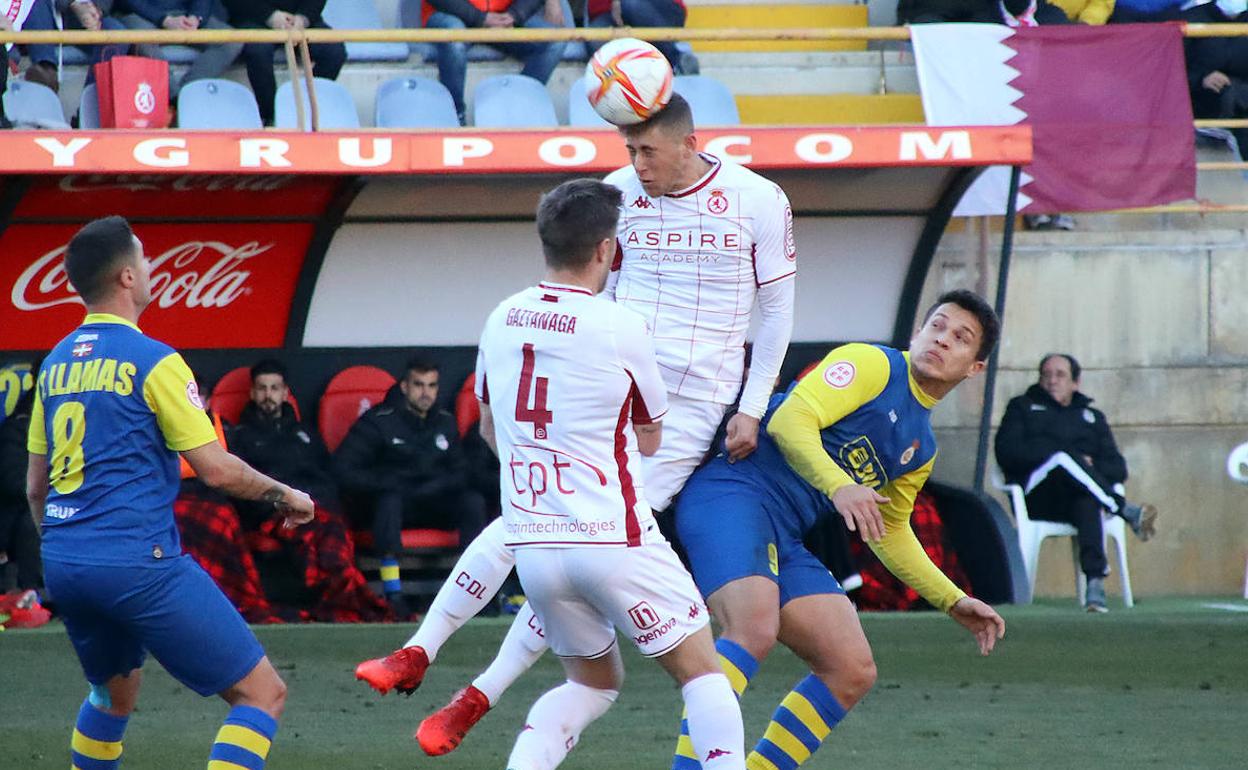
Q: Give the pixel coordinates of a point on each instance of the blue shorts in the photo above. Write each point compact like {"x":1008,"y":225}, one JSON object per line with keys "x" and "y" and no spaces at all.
{"x":116,"y":615}
{"x":732,"y":526}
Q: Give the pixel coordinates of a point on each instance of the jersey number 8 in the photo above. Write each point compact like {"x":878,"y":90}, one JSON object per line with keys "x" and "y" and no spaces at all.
{"x":69,"y":428}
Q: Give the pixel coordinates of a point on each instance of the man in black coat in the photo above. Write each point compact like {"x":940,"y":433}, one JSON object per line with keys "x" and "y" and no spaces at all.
{"x":1061,"y":450}
{"x":327,"y":58}
{"x":19,"y":539}
{"x":403,"y":461}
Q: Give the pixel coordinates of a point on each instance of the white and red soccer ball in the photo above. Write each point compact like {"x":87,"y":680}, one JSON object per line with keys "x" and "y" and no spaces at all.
{"x":627,"y":81}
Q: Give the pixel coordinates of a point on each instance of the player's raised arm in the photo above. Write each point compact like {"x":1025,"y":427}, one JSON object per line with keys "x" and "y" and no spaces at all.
{"x":775,"y":266}
{"x":649,"y":397}
{"x":847,"y":378}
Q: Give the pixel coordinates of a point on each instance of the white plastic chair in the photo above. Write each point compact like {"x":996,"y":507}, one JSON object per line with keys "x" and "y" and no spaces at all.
{"x":1237,"y":469}
{"x":1032,"y":532}
{"x":214,"y":103}
{"x":33,"y":105}
{"x":335,"y":107}
{"x":414,"y":102}
{"x":89,"y":107}
{"x":581,"y":113}
{"x":512,"y":101}
{"x":362,"y":14}
{"x":711,"y":101}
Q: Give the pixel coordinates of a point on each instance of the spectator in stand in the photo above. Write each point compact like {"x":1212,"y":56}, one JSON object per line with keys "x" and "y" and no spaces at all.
{"x":327,"y":58}
{"x":1093,"y":12}
{"x":540,"y":59}
{"x":644,"y":13}
{"x":1062,"y":452}
{"x":19,"y":539}
{"x":1217,"y":67}
{"x":1013,"y":13}
{"x":1135,"y":11}
{"x":404,"y":461}
{"x":270,"y":438}
{"x":75,"y":14}
{"x":213,"y":60}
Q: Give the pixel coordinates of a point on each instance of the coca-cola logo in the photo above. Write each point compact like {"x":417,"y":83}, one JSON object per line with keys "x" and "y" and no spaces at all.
{"x":177,"y":277}
{"x":158,"y":182}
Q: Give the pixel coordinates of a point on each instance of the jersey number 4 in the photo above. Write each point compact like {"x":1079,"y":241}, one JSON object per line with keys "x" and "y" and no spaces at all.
{"x":539,"y":415}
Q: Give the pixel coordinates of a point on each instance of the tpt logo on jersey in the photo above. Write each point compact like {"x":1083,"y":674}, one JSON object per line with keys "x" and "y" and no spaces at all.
{"x":859,"y":459}
{"x":717,"y":203}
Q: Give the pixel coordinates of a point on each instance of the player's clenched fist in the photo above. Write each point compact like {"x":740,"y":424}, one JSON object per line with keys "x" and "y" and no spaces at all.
{"x":297,"y":506}
{"x":860,"y":507}
{"x":742,"y":436}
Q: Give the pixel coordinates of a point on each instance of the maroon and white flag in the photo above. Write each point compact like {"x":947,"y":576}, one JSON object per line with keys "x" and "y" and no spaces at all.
{"x":1108,"y":106}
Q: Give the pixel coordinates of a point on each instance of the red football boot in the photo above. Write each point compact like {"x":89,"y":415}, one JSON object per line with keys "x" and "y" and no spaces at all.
{"x":443,"y":730}
{"x":401,"y":670}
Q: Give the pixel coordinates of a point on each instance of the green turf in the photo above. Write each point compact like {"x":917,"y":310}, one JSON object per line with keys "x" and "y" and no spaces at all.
{"x":1164,"y":685}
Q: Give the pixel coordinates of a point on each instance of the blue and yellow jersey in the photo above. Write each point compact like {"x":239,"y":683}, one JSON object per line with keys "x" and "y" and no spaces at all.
{"x":112,"y":409}
{"x":859,"y":417}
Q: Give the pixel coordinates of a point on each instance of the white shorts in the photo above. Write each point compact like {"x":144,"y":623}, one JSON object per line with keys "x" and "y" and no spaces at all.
{"x":688,"y":430}
{"x":581,"y":595}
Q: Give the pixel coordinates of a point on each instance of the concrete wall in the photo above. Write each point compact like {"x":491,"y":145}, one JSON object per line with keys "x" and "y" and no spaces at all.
{"x":1160,"y":323}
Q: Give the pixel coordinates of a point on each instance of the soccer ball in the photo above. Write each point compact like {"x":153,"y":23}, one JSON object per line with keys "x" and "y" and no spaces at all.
{"x":627,"y":81}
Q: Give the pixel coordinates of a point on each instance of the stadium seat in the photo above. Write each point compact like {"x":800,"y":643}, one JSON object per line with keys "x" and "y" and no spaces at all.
{"x":1237,"y":469}
{"x":217,"y":104}
{"x":414,"y":102}
{"x":233,"y":391}
{"x":362,"y":14}
{"x":1032,"y":532}
{"x":512,"y":101}
{"x":350,"y":393}
{"x":89,"y":108}
{"x":30,"y":105}
{"x":335,"y":107}
{"x":580,"y":112}
{"x":711,"y":101}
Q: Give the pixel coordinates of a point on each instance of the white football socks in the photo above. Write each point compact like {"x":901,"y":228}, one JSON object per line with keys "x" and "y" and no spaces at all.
{"x":555,"y":723}
{"x":714,"y":722}
{"x":521,"y":648}
{"x":474,"y":581}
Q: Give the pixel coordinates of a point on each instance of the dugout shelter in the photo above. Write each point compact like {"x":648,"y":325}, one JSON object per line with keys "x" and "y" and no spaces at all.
{"x":329,"y":250}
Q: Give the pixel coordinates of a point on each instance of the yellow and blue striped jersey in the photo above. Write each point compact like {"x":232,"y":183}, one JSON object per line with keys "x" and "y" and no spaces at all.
{"x":112,"y":409}
{"x":859,"y":417}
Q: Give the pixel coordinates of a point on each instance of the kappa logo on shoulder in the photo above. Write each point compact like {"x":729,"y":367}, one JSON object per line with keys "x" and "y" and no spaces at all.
{"x":642,"y":202}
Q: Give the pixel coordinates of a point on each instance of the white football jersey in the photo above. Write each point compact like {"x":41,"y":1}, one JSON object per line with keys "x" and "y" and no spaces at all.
{"x":566,"y":375}
{"x":691,"y":263}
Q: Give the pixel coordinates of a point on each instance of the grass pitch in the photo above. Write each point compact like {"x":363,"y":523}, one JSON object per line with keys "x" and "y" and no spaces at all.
{"x":1164,"y":685}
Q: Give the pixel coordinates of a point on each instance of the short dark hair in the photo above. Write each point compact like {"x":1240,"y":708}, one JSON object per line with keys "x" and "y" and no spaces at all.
{"x":989,"y":323}
{"x":95,"y":253}
{"x":676,"y":117}
{"x":419,"y":364}
{"x":1075,"y":368}
{"x":575,"y":217}
{"x":269,"y":366}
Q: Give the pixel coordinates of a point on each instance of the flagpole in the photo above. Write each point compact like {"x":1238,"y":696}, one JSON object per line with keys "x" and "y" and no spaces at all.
{"x":990,"y":377}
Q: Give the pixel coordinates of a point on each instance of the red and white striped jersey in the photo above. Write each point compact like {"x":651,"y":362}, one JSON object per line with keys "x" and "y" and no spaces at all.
{"x":691,"y":263}
{"x":566,"y":376}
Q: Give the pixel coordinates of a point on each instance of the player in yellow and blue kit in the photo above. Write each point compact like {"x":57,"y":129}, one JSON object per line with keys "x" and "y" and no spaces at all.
{"x":112,"y":411}
{"x":854,"y":435}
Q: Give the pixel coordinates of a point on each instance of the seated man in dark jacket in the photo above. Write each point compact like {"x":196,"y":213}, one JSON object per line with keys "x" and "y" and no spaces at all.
{"x":404,"y":462}
{"x":19,"y":540}
{"x":327,"y":58}
{"x":1062,"y":452}
{"x":270,"y":436}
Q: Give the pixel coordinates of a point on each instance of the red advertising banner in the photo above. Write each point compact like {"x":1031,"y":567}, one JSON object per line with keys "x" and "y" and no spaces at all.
{"x":184,"y":196}
{"x":213,"y":285}
{"x":467,"y":151}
